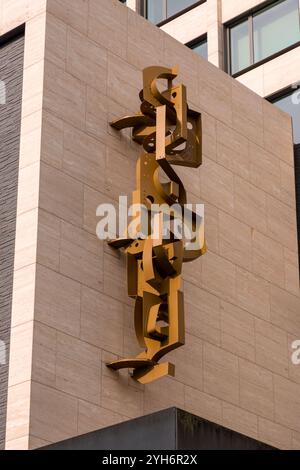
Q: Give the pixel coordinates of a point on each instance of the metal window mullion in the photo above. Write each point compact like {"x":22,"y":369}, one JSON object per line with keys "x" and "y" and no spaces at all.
{"x":142,"y":8}
{"x":251,"y":39}
{"x":229,"y":51}
{"x":165,"y":9}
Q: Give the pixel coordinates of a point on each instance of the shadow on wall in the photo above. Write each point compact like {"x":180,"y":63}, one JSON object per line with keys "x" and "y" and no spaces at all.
{"x":11,"y":79}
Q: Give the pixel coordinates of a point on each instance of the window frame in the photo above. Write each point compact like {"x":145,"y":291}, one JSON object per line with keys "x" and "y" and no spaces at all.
{"x":197,"y":40}
{"x":144,"y":10}
{"x":243,"y":18}
{"x":283,"y":93}
{"x":297,"y":175}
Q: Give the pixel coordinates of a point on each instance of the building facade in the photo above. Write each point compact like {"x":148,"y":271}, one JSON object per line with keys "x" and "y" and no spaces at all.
{"x":255,"y":41}
{"x":68,"y":312}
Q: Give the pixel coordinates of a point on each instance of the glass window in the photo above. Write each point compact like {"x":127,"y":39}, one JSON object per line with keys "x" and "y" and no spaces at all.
{"x":290,"y":103}
{"x":264,"y":33}
{"x":276,"y":28}
{"x":156,"y":11}
{"x":200,"y":48}
{"x":160,"y":10}
{"x":240,"y":47}
{"x":175,"y":6}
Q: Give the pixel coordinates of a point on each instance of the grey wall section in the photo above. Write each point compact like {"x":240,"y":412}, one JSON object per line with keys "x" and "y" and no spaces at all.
{"x":297,"y":173}
{"x":170,"y":429}
{"x":11,"y":74}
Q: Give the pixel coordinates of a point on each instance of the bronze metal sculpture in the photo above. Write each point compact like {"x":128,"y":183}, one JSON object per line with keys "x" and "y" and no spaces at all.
{"x":170,"y":134}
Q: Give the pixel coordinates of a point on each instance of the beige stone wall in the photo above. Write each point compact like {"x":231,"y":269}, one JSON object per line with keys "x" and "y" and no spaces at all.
{"x":188,"y":26}
{"x":71,"y":312}
{"x":13,"y":13}
{"x":231,"y":8}
{"x":275,"y":75}
{"x":203,"y":19}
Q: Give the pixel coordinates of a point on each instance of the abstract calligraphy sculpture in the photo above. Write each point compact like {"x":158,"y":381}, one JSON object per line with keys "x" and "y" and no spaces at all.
{"x":170,"y":134}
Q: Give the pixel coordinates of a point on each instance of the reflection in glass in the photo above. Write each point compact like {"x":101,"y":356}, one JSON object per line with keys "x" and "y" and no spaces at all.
{"x":160,"y":10}
{"x":290,"y":103}
{"x":240,"y":47}
{"x":156,"y":11}
{"x":276,"y":28}
{"x":201,"y":48}
{"x":174,"y":6}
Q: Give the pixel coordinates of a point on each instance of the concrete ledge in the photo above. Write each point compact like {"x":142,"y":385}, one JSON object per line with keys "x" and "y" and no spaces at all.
{"x":171,"y":429}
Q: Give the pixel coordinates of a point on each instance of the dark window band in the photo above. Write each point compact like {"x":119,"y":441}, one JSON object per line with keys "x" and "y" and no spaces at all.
{"x":11,"y":77}
{"x":288,"y":100}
